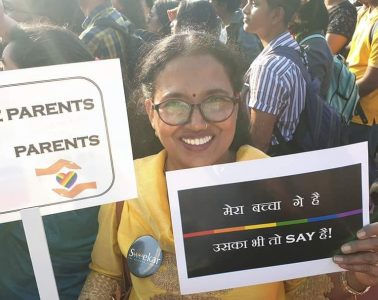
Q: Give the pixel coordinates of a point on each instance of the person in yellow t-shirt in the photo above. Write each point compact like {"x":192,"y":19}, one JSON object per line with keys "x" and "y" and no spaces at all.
{"x":363,"y":62}
{"x":191,"y":85}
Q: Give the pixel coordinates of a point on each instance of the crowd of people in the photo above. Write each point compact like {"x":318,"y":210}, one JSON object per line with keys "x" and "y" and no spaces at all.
{"x":205,"y":83}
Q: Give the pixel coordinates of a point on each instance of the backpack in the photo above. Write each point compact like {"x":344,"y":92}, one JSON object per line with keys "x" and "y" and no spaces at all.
{"x":134,"y":44}
{"x":342,"y":93}
{"x":320,"y":125}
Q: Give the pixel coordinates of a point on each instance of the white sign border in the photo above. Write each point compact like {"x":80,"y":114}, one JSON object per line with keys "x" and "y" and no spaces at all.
{"x":265,"y":168}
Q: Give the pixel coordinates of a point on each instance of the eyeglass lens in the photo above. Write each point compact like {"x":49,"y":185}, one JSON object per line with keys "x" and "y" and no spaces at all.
{"x":213,"y":109}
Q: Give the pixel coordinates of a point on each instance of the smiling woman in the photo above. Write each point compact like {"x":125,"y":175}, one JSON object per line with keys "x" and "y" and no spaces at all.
{"x":190,"y":85}
{"x":209,"y":110}
{"x":194,"y":119}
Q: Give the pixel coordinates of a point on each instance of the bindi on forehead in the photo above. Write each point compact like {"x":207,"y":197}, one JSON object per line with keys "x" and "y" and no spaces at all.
{"x":194,"y":95}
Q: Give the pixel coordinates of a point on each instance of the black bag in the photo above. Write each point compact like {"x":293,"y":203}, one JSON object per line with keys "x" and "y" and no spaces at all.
{"x":320,"y":126}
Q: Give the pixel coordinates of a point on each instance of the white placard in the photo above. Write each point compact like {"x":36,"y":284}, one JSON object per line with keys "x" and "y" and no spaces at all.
{"x":334,"y":168}
{"x":65,"y":138}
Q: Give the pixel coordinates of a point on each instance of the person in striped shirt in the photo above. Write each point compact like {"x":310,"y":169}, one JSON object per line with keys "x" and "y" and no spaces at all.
{"x":277,"y":87}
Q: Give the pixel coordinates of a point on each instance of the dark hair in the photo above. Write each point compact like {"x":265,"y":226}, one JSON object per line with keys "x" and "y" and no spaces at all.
{"x":62,"y":13}
{"x":191,"y":44}
{"x":197,"y":16}
{"x":289,"y":6}
{"x":311,"y":16}
{"x":133,"y":11}
{"x":161,"y":7}
{"x":231,"y":5}
{"x":45,"y":45}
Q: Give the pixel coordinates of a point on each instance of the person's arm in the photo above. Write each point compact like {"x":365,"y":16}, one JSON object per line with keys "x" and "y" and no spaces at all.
{"x":339,"y":292}
{"x":369,"y":82}
{"x":267,"y":93}
{"x":100,"y":286}
{"x":6,"y":23}
{"x":262,"y":126}
{"x":341,"y":26}
{"x":336,"y":42}
{"x":105,"y":279}
{"x":360,"y":259}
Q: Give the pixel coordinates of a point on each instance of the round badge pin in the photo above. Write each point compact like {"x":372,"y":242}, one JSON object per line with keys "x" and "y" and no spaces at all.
{"x":144,"y":257}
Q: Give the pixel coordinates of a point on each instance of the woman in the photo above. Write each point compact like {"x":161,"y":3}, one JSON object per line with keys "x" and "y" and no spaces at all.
{"x":158,"y":21}
{"x":191,"y":85}
{"x":70,"y":248}
{"x":309,"y":26}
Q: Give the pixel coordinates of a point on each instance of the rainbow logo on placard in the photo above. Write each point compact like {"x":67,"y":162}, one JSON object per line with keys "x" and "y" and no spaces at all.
{"x":66,"y":179}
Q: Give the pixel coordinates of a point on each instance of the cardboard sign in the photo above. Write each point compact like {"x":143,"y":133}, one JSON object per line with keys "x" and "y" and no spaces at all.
{"x":266,"y":220}
{"x":65,"y":138}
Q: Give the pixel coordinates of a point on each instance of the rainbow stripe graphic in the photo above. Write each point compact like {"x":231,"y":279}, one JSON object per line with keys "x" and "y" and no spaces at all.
{"x":271,"y":225}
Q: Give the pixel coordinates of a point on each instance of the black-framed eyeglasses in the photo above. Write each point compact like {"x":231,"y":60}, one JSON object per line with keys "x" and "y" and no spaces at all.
{"x":178,"y":112}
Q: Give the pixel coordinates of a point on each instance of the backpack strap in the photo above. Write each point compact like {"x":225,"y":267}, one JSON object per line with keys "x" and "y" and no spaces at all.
{"x":127,"y":283}
{"x":360,"y":112}
{"x":312,"y":36}
{"x":295,"y":57}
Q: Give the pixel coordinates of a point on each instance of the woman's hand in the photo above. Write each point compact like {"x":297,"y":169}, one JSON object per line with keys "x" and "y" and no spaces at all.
{"x":361,"y":258}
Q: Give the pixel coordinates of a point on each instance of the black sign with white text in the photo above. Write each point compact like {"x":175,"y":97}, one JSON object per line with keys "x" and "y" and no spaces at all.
{"x":270,"y":222}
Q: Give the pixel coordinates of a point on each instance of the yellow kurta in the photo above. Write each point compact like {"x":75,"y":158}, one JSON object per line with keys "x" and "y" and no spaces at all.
{"x":150,"y":215}
{"x":362,"y":54}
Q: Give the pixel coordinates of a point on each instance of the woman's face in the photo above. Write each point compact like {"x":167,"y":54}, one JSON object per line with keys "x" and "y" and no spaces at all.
{"x":197,"y":143}
{"x":8,"y":63}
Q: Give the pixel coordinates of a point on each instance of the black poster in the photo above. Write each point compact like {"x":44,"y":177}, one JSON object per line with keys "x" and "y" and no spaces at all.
{"x":270,"y":222}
